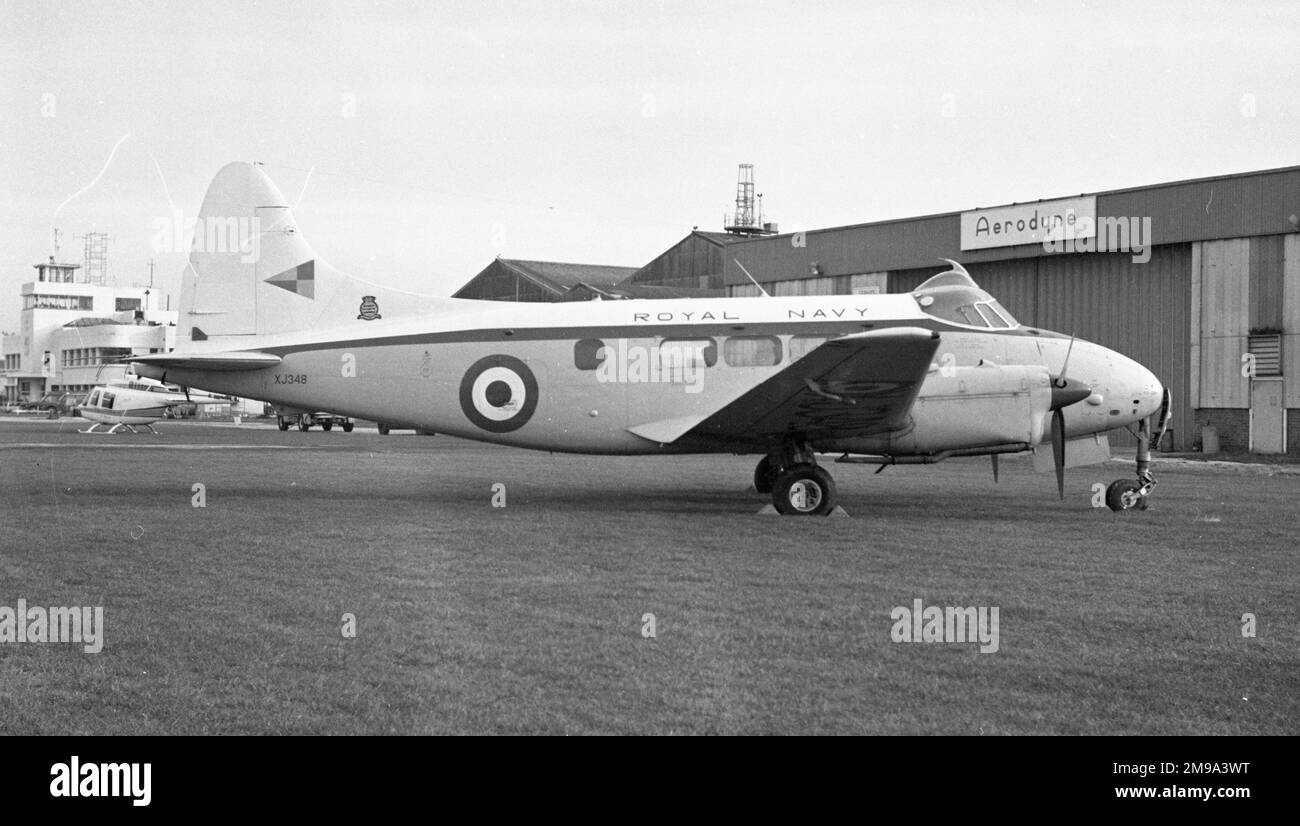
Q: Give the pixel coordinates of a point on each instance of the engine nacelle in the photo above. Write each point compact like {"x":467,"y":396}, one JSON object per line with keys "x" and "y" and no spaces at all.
{"x":964,"y":407}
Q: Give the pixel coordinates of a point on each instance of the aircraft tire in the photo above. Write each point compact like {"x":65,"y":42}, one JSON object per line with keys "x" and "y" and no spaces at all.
{"x":347,"y":427}
{"x":1115,"y":494}
{"x":327,"y":426}
{"x":764,"y":475}
{"x":383,"y":429}
{"x":304,"y":426}
{"x":803,"y":490}
{"x":282,"y":424}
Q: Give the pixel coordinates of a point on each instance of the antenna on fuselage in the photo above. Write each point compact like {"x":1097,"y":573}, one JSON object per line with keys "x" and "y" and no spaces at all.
{"x":751,"y":278}
{"x":957,"y":267}
{"x":1060,"y":380}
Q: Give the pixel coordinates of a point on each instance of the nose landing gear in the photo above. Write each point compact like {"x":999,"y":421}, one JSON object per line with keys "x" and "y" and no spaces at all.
{"x":1127,"y":494}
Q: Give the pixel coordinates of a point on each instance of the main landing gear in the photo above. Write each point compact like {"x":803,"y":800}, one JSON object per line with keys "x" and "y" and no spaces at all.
{"x":799,"y":487}
{"x":1127,"y":494}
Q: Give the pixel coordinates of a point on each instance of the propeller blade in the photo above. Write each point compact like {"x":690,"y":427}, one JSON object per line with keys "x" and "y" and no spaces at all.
{"x":1068,"y":351}
{"x":1162,"y":423}
{"x":994,"y":457}
{"x":1058,"y":449}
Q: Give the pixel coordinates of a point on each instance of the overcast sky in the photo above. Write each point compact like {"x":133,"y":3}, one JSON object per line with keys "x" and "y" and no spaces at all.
{"x":420,"y":139}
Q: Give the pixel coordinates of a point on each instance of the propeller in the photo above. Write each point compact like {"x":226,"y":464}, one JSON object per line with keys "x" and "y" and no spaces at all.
{"x":1065,"y":392}
{"x":1162,"y":422}
{"x":1058,"y":449}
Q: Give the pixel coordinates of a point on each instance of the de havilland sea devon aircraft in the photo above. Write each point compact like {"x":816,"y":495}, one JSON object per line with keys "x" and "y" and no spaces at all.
{"x":902,"y":378}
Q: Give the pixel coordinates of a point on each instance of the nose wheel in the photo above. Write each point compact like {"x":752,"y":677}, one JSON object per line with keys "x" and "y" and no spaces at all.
{"x":1126,"y":494}
{"x":1130,"y":494}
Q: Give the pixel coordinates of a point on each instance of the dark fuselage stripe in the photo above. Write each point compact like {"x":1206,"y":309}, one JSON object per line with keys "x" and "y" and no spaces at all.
{"x":506,"y":335}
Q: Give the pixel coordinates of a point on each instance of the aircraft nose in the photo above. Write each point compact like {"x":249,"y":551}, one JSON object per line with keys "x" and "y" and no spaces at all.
{"x":1145,"y":390}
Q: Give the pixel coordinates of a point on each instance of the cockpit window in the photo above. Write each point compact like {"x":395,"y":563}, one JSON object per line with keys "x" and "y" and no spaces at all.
{"x":955,"y":297}
{"x":991,"y":316}
{"x":1002,"y":314}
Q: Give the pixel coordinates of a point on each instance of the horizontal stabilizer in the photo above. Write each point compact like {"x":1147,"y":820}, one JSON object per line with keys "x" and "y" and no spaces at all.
{"x":221,"y":362}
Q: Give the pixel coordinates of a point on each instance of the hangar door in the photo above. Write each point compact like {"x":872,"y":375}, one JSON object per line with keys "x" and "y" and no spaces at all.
{"x":1267,"y":416}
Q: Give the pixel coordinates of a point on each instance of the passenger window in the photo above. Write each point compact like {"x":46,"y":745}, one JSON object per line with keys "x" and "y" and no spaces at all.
{"x":801,"y":346}
{"x":687,"y":352}
{"x":587,"y":353}
{"x":752,"y":351}
{"x":106,"y":400}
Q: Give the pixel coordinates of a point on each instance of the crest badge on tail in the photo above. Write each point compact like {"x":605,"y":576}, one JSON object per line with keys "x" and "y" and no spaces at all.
{"x":369,"y":308}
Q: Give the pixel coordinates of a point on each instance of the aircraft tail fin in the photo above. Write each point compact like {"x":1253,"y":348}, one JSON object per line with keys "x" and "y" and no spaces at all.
{"x":251,"y":273}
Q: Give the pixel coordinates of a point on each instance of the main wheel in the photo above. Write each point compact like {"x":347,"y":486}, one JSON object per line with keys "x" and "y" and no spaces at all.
{"x":304,"y":425}
{"x":347,"y":427}
{"x":765,"y":475}
{"x":281,"y":423}
{"x":804,"y":490}
{"x":1123,"y":495}
{"x":383,"y":429}
{"x":327,"y":426}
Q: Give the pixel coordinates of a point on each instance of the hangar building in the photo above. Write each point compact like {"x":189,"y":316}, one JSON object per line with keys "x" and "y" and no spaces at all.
{"x":510,"y":280}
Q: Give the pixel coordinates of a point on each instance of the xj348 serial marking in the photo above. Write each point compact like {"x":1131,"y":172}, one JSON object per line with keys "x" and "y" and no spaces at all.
{"x":904,"y":378}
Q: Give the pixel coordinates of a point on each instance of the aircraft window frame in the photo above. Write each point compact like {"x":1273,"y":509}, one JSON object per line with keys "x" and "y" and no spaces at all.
{"x":747,"y":357}
{"x":587,"y":357}
{"x":991,"y":319}
{"x":976,"y":312}
{"x":709,"y":350}
{"x":1004,"y":314}
{"x":106,"y":400}
{"x":982,"y":322}
{"x":805,"y":337}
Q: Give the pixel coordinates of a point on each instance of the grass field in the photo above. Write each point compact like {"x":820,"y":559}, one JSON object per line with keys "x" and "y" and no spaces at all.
{"x":528,"y":618}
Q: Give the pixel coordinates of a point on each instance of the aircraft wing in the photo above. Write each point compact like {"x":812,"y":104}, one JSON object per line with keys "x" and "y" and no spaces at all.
{"x":221,"y":362}
{"x":851,"y":386}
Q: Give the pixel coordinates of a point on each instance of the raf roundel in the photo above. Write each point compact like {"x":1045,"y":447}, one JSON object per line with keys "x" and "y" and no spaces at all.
{"x":499,"y":394}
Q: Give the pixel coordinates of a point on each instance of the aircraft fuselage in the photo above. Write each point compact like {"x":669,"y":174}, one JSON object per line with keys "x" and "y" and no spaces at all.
{"x":580,"y":377}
